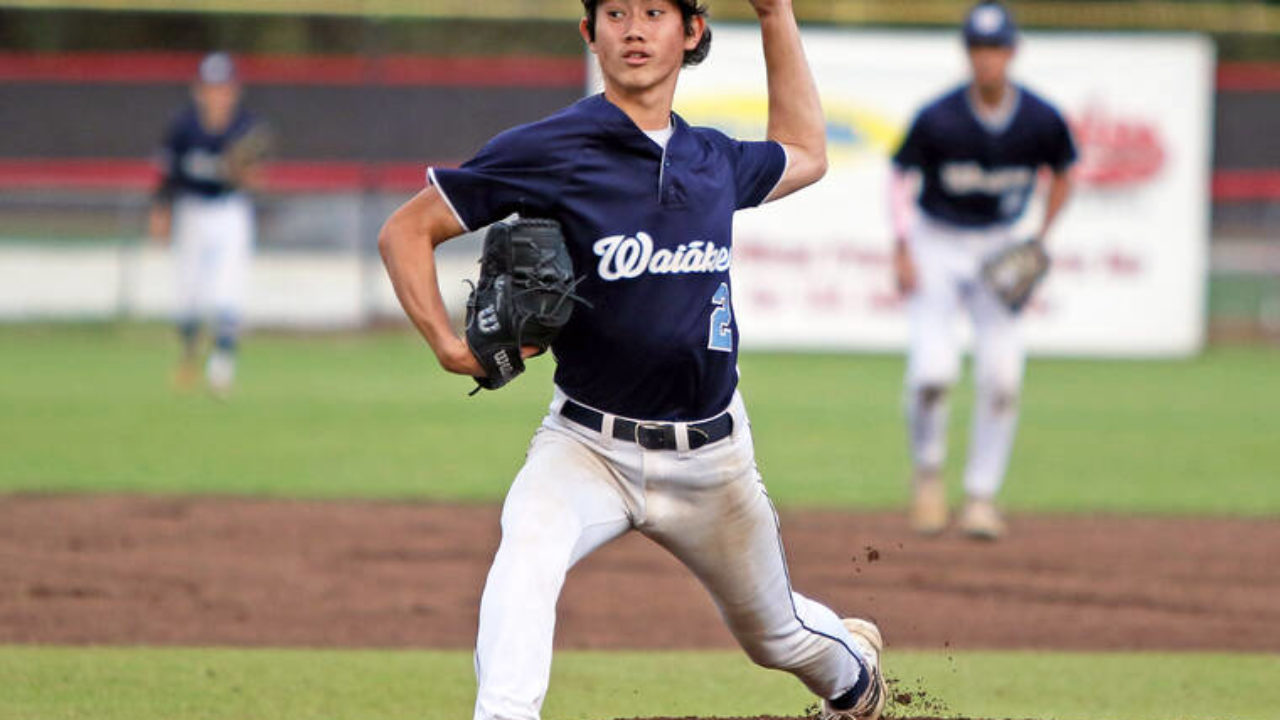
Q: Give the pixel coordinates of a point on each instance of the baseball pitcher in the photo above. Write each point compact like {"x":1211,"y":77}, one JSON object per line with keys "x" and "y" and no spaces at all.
{"x":973,"y":156}
{"x":646,"y":431}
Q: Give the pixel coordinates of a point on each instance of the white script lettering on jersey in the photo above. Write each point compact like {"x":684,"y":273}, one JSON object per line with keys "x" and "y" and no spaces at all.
{"x":630,"y":256}
{"x":200,"y":164}
{"x":964,"y":178}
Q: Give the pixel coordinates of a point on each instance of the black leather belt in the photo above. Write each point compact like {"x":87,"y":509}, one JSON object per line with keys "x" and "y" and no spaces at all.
{"x":652,"y":435}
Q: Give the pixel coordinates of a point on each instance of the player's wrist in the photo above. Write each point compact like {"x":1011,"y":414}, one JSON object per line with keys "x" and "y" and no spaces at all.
{"x":456,"y":356}
{"x":767,"y":10}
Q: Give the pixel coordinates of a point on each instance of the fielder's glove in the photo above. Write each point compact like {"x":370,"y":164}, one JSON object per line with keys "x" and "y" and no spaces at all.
{"x":1014,"y":272}
{"x":524,"y":297}
{"x":244,"y":154}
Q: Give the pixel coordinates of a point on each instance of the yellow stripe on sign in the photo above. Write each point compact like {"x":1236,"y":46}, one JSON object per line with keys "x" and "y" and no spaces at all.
{"x":854,"y":133}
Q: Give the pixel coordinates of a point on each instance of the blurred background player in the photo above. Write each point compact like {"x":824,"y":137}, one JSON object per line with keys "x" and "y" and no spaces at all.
{"x":973,"y":155}
{"x":210,"y":159}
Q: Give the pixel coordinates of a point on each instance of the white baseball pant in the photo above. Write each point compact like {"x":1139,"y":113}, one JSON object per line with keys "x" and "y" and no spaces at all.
{"x":213,"y":242}
{"x":580,"y":489}
{"x":948,"y":261}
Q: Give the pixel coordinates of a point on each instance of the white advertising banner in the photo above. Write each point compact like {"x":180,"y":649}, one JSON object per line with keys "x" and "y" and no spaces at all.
{"x":813,"y":271}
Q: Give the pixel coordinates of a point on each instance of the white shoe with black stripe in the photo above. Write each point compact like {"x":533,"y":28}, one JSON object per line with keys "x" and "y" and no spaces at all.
{"x":866,"y":636}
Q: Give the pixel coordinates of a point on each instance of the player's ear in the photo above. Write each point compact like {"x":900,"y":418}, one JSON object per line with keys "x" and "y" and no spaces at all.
{"x":585,"y":31}
{"x":695,"y":29}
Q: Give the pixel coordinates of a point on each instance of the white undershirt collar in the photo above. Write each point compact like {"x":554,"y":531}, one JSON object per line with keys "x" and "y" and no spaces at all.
{"x":996,"y":120}
{"x":661,"y":137}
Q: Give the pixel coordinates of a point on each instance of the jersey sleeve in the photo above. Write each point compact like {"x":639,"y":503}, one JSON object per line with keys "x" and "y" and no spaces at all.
{"x":519,"y":171}
{"x":757,"y":169}
{"x":913,"y":152}
{"x":1062,"y":150}
{"x":167,"y":157}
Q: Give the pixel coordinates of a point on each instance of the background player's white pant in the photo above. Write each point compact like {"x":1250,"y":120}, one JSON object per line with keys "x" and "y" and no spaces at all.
{"x":213,"y":242}
{"x":948,"y":261}
{"x":580,"y":489}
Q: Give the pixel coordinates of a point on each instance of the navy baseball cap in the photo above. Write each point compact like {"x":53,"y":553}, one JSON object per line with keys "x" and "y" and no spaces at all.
{"x":989,"y":23}
{"x":217,"y":69}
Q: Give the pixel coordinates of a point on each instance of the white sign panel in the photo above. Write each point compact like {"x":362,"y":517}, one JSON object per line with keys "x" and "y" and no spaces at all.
{"x":813,"y":270}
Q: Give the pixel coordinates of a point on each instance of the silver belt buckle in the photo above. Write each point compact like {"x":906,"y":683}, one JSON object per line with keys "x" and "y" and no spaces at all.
{"x":654,"y":430}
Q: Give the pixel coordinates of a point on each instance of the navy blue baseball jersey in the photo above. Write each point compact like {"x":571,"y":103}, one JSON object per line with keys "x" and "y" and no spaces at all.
{"x":651,"y":231}
{"x":978,"y":176}
{"x":192,"y":158}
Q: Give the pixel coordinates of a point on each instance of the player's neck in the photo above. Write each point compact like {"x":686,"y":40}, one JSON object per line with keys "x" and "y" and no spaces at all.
{"x":992,"y":98}
{"x":649,"y":109}
{"x":215,"y":123}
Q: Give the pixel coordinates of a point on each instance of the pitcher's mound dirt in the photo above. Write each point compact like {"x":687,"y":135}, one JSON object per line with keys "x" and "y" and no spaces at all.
{"x":130,"y":570}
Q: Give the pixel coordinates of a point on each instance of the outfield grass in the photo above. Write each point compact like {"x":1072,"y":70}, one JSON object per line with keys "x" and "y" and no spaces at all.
{"x":89,"y":409}
{"x":159,"y":684}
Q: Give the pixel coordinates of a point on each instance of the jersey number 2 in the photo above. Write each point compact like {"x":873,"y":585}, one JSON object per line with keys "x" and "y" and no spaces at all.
{"x":721,"y":335}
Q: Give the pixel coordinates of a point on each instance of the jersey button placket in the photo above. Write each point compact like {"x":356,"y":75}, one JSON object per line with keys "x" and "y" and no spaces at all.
{"x":664,"y":165}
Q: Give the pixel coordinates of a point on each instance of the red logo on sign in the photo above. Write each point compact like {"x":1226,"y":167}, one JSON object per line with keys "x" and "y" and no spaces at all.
{"x":1115,"y":151}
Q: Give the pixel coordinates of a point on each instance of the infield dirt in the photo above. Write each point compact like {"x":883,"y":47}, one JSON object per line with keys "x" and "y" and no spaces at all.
{"x":202,"y":571}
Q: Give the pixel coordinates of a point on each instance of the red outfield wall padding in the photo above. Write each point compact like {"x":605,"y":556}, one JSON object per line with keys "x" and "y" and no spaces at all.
{"x":478,"y":71}
{"x":1249,"y":77}
{"x":1246,"y":185}
{"x":394,"y":70}
{"x":280,"y":176}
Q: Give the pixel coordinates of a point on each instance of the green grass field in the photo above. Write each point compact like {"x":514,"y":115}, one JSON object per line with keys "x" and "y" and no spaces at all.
{"x":89,"y":409}
{"x":224,"y":684}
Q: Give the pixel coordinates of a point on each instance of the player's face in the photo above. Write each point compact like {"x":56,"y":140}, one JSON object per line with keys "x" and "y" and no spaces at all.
{"x":217,"y":103}
{"x":990,"y":65}
{"x":641,"y":43}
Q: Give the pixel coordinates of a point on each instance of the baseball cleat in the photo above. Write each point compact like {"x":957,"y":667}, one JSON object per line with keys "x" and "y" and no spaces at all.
{"x":981,"y":521}
{"x":184,"y":376}
{"x":929,"y":505}
{"x":869,"y":644}
{"x":220,"y":373}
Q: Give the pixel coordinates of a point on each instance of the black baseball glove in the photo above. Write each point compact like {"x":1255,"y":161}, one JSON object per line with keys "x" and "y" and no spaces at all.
{"x":1014,"y":272}
{"x":524,"y":297}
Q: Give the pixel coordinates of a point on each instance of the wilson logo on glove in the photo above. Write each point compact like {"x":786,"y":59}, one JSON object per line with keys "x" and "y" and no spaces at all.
{"x":488,"y":320}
